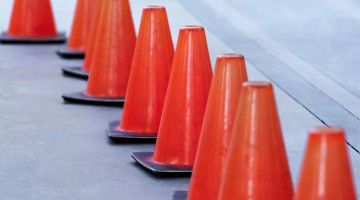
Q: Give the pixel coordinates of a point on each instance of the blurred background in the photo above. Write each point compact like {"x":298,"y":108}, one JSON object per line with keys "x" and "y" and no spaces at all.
{"x":63,"y":9}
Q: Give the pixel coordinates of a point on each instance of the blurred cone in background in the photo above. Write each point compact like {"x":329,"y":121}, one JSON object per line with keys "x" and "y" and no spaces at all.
{"x":80,"y":30}
{"x":326,"y":172}
{"x":256,"y":165}
{"x":32,"y":21}
{"x":83,"y":71}
{"x":112,"y":56}
{"x":148,"y":80}
{"x":184,"y":107}
{"x":230,"y":73}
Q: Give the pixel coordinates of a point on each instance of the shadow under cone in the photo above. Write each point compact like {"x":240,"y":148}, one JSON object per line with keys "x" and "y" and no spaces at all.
{"x":230,"y":73}
{"x":326,"y":172}
{"x":112,"y":56}
{"x":184,"y":107}
{"x":256,"y":165}
{"x":80,"y":29}
{"x":148,"y":80}
{"x":32,"y":21}
{"x":82,"y":72}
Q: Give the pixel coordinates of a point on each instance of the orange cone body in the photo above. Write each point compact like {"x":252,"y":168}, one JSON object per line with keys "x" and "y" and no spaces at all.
{"x":84,"y":13}
{"x":230,"y":73}
{"x":150,"y":73}
{"x":256,"y":166}
{"x":90,"y":41}
{"x":185,"y":100}
{"x":113,"y":51}
{"x":326,"y":172}
{"x":32,"y":18}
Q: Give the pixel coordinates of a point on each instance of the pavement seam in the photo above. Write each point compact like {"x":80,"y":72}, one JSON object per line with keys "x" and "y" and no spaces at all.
{"x":301,"y":67}
{"x":290,"y":67}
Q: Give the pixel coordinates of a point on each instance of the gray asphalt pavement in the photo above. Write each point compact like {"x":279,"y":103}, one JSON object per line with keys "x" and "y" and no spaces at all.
{"x":52,"y":150}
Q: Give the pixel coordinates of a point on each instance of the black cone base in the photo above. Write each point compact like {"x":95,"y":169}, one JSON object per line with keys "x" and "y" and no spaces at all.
{"x":8,"y":39}
{"x":75,"y":72}
{"x":65,"y":52}
{"x":127,"y":136}
{"x":145,"y":160}
{"x":180,"y":195}
{"x":82,"y":98}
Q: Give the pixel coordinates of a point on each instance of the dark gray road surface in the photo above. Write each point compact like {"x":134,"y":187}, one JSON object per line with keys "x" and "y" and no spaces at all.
{"x":51,"y":150}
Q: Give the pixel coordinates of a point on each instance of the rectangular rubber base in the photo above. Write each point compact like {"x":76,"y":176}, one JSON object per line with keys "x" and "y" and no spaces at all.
{"x":75,"y":72}
{"x":8,"y":39}
{"x":146,"y":160}
{"x":82,"y":98}
{"x":127,"y":136}
{"x":65,"y":52}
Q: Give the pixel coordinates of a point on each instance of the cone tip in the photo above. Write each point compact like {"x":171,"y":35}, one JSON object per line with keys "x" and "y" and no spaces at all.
{"x":257,"y":84}
{"x":192,"y":27}
{"x":326,"y":132}
{"x":154,"y":7}
{"x":230,"y":55}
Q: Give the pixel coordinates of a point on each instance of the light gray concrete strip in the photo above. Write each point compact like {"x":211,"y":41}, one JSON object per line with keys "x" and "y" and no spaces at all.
{"x":311,"y":98}
{"x":349,"y":101}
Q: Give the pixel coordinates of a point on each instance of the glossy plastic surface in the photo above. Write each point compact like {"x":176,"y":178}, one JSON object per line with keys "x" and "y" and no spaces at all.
{"x":90,"y":41}
{"x":326,"y":172}
{"x":150,"y":73}
{"x":185,"y":100}
{"x":84,"y":13}
{"x":32,"y":18}
{"x":113,"y":51}
{"x":256,"y":166}
{"x":230,"y":73}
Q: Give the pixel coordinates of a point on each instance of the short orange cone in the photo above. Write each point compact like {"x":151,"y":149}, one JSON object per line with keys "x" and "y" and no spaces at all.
{"x":326,"y":172}
{"x":256,"y":165}
{"x":84,"y":13}
{"x":230,"y":73}
{"x":148,"y":80}
{"x":184,"y":107}
{"x":32,"y":21}
{"x":112,"y":56}
{"x":83,"y":71}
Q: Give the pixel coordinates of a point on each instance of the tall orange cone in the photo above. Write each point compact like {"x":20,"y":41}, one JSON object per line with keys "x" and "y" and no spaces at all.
{"x":256,"y":165}
{"x":148,"y":80}
{"x":184,"y":107}
{"x":230,"y":73}
{"x":82,"y":72}
{"x":76,"y":45}
{"x":326,"y":171}
{"x":112,"y":56}
{"x":32,"y":21}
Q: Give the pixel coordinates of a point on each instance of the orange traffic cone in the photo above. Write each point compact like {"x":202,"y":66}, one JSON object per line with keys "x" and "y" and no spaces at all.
{"x":256,"y":165}
{"x":112,"y":56}
{"x":184,"y":107}
{"x":216,"y":130}
{"x":326,"y":172}
{"x":82,"y":72}
{"x":32,"y":21}
{"x":148,"y":80}
{"x":84,"y":12}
